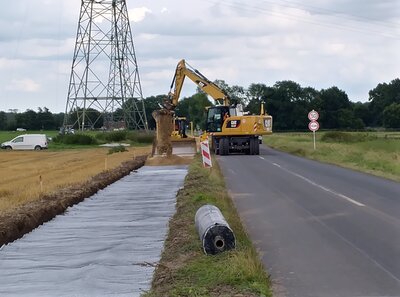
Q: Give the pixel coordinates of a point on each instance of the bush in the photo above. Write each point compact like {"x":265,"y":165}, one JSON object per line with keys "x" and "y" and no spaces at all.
{"x":145,"y":138}
{"x":133,"y":136}
{"x":81,"y":139}
{"x":141,"y":137}
{"x":115,"y":136}
{"x":101,"y":136}
{"x":117,"y":149}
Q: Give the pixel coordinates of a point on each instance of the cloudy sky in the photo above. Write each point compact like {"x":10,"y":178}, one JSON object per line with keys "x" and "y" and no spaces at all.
{"x":352,"y":44}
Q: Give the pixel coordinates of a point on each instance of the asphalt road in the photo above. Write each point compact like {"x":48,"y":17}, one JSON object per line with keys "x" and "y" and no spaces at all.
{"x":322,"y":231}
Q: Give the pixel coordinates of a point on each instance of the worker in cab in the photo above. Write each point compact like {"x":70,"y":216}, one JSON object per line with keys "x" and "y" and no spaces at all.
{"x":226,"y":115}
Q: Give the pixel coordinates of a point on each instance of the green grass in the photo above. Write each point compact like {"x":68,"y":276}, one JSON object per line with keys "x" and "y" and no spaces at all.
{"x":184,"y":270}
{"x":8,"y":135}
{"x":377,"y":153}
{"x":134,"y":138}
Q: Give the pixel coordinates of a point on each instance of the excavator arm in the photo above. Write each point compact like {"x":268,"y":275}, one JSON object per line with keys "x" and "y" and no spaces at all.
{"x":228,"y":127}
{"x":182,"y":71}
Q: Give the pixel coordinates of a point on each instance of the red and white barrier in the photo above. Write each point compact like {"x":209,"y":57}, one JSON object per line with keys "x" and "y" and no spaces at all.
{"x":205,"y":152}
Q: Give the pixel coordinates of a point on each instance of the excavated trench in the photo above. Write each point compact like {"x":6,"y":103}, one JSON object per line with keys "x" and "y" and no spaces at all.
{"x":107,"y":245}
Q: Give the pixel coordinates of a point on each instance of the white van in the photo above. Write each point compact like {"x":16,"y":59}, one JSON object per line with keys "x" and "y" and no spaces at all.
{"x":26,"y":142}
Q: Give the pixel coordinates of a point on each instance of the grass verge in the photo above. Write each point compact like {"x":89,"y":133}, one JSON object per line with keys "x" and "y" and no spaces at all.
{"x":377,"y":153}
{"x":184,"y":270}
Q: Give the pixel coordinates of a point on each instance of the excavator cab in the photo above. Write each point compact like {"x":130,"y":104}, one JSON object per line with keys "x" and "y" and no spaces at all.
{"x":179,"y":127}
{"x":216,"y":116}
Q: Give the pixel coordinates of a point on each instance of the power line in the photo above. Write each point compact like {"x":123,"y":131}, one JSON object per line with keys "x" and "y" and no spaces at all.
{"x":289,"y":16}
{"x":342,"y":13}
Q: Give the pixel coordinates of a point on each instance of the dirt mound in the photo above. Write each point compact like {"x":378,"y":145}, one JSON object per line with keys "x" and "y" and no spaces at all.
{"x":171,"y":160}
{"x":164,"y":129}
{"x":21,"y":220}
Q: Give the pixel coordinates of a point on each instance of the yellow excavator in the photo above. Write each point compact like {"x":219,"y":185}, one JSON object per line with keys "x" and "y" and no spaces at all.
{"x":228,"y":127}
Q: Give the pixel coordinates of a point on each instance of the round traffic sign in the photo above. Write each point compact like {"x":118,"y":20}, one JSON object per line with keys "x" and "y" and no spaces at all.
{"x":313,"y":115}
{"x":313,"y":126}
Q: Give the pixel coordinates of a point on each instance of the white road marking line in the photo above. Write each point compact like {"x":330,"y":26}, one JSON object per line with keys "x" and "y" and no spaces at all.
{"x":232,"y":171}
{"x":262,"y":158}
{"x":321,"y":187}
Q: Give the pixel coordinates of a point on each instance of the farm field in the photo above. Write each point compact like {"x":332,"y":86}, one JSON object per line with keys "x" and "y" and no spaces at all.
{"x":376,"y":153}
{"x":22,"y":171}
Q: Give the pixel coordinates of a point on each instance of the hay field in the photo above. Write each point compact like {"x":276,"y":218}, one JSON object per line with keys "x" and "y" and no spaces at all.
{"x":27,"y":175}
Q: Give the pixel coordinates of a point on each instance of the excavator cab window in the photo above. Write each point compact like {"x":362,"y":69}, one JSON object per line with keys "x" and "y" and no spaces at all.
{"x":215,"y":118}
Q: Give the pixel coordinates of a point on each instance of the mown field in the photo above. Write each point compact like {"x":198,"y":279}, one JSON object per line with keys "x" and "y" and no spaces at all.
{"x":377,"y":153}
{"x":27,"y":175}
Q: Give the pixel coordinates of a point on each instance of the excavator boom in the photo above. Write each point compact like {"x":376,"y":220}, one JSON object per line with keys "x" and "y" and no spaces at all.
{"x":184,"y":70}
{"x":229,"y":128}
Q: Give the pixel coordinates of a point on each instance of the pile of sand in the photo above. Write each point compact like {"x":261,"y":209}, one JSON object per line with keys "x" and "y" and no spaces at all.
{"x":164,"y":128}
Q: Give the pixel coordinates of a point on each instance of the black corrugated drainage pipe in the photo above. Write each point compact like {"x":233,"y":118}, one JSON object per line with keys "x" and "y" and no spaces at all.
{"x":215,"y":234}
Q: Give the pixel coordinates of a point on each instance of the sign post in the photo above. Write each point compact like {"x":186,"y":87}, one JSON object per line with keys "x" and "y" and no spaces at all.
{"x":313,"y":125}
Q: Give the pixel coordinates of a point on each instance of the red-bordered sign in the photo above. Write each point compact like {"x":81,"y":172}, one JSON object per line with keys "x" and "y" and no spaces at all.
{"x":313,"y":126}
{"x":313,"y":115}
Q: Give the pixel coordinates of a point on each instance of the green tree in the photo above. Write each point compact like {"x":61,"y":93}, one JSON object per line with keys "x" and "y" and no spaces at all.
{"x":27,"y":120}
{"x":45,"y":119}
{"x":194,"y":109}
{"x":3,"y":120}
{"x":93,"y":118}
{"x":152,"y":103}
{"x":256,"y":95}
{"x":381,"y":97}
{"x":237,"y":94}
{"x":331,"y":101}
{"x":391,"y":116}
{"x":347,"y":120}
{"x":58,"y":120}
{"x":284,"y":106}
{"x":361,"y":111}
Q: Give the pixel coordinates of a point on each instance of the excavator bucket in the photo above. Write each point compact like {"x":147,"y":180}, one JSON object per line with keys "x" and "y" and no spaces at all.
{"x":168,"y":143}
{"x":184,"y":146}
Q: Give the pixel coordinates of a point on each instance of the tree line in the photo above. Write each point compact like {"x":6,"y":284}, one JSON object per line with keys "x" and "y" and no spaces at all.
{"x":287,"y":101}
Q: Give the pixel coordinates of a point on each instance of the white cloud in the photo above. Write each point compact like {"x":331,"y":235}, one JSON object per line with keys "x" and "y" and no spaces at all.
{"x":23,"y":85}
{"x":351,"y":44}
{"x":138,"y":14}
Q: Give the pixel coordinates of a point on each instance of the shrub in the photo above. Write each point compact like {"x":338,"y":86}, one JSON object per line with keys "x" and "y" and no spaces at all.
{"x":117,"y":149}
{"x":81,"y":139}
{"x":101,"y":136}
{"x":115,"y":136}
{"x":145,"y":138}
{"x":141,"y":137}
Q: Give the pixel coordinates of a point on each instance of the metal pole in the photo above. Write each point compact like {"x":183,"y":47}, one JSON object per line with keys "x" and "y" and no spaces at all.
{"x":314,"y":139}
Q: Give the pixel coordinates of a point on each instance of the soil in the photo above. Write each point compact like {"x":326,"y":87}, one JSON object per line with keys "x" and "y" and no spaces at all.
{"x":23,"y":219}
{"x":164,"y":129}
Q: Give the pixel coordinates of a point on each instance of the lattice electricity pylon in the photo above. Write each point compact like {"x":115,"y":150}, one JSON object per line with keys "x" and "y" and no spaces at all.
{"x":104,"y":88}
